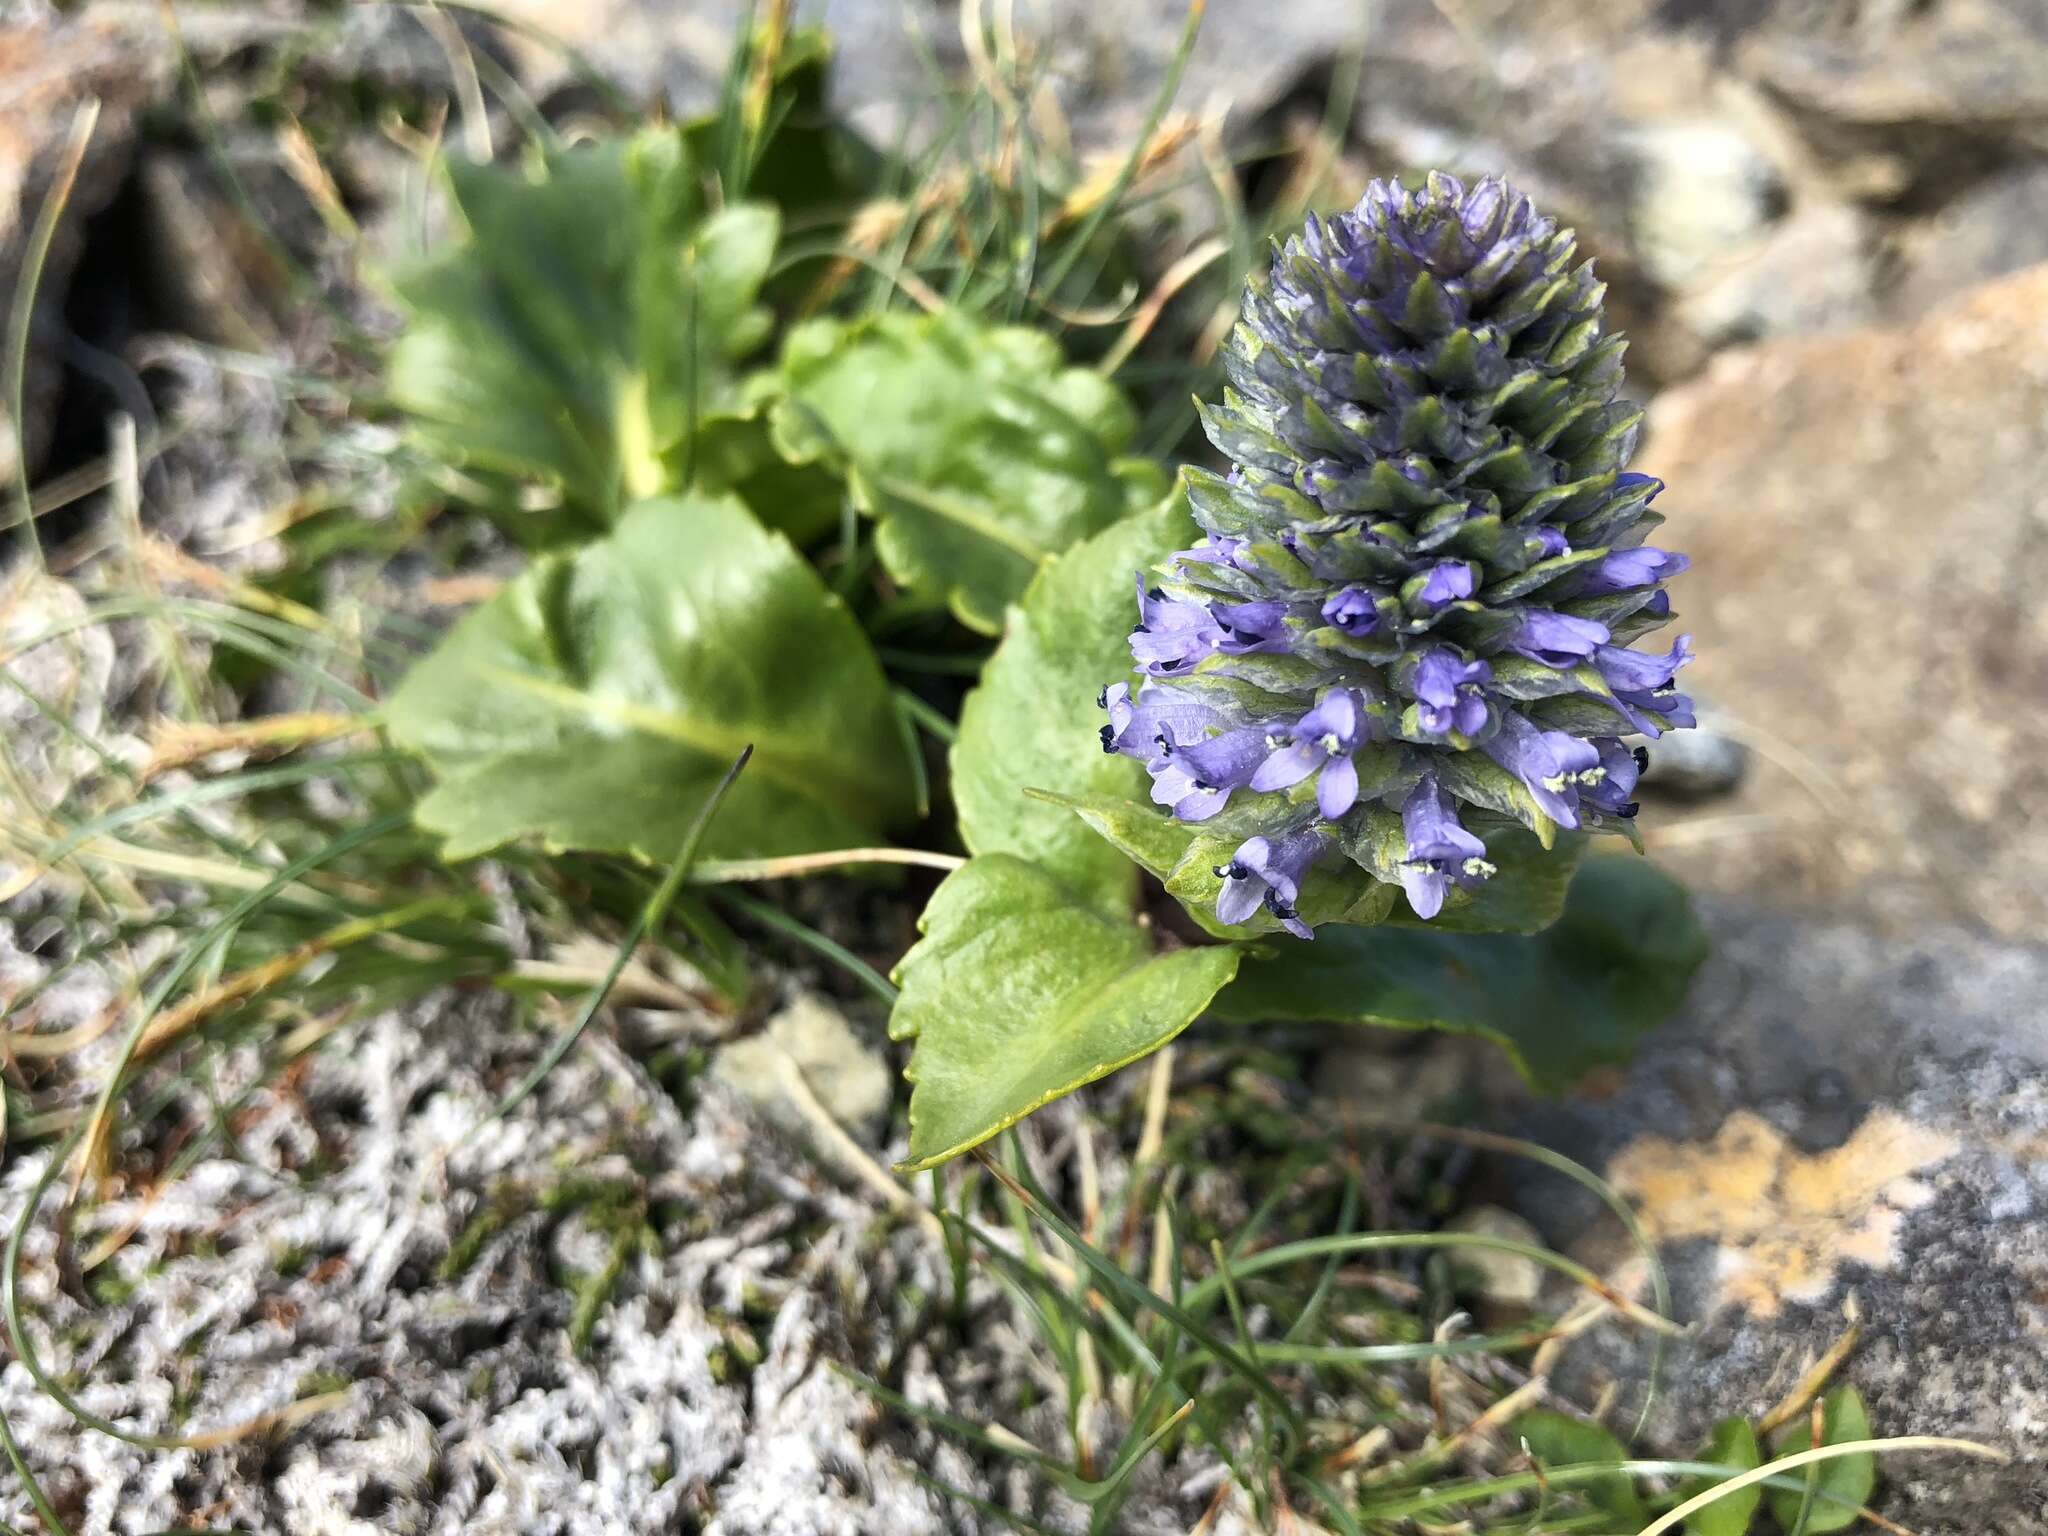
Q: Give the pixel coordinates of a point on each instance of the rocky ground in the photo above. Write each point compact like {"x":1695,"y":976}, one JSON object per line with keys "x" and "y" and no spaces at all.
{"x":1820,"y":220}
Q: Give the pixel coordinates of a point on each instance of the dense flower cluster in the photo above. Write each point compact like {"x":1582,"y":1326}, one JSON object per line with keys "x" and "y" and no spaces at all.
{"x":1410,"y":617}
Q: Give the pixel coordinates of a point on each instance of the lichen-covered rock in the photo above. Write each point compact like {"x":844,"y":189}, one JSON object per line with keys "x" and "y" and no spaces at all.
{"x":1840,"y":1130}
{"x":591,"y":1318}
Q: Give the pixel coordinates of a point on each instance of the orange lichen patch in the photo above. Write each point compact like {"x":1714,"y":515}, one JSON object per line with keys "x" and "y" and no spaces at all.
{"x":1784,"y":1221}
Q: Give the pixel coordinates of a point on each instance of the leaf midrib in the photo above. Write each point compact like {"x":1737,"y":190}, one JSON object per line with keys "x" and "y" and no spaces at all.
{"x":790,"y":763}
{"x":966,"y":517}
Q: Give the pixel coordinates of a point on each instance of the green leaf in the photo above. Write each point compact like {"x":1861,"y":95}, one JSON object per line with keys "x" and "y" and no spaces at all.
{"x":1732,"y":1444}
{"x":1033,"y":722}
{"x":1559,"y":1440}
{"x":1561,"y":1002}
{"x":1020,"y":992}
{"x":977,"y":450}
{"x":591,"y":317}
{"x":736,"y":452}
{"x":811,"y":165}
{"x":1846,"y":1482}
{"x":595,"y":701}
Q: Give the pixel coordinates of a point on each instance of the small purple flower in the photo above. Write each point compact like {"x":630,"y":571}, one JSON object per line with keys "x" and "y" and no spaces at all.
{"x":1557,"y":639}
{"x":1642,"y":671}
{"x":1219,"y":549}
{"x":1627,"y":569}
{"x":1172,"y":635}
{"x":1444,"y":584}
{"x":1249,"y":627}
{"x":1440,"y":851}
{"x":1607,"y":787}
{"x":1551,"y":542}
{"x":1160,"y":716}
{"x":1269,"y":871}
{"x":1321,"y":741}
{"x":1547,"y":762}
{"x":1642,"y":684}
{"x":1176,"y":786}
{"x":1223,"y":762}
{"x":1354,"y":609}
{"x":1451,"y":692}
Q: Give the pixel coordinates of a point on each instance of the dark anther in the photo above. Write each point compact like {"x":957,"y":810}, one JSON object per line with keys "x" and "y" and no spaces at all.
{"x":1221,"y":871}
{"x":1156,"y":595}
{"x":1642,"y":757}
{"x":1627,"y":812}
{"x":1108,"y":739}
{"x":1102,"y":698}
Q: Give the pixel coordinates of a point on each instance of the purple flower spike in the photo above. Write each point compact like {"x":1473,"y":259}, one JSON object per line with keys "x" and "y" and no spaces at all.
{"x":1269,"y":872}
{"x":1425,"y":564}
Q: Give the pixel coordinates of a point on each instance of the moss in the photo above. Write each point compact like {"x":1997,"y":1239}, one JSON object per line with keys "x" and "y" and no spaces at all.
{"x":505,"y":1205}
{"x":110,"y":1288}
{"x":316,"y":1382}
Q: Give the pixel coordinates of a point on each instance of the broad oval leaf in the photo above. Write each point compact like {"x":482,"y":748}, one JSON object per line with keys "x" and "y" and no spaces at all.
{"x":1020,"y":992}
{"x":596,"y":700}
{"x":1033,"y":721}
{"x":1558,"y":1440}
{"x":1576,"y":996}
{"x":591,"y":317}
{"x":1732,"y":1444}
{"x":979,"y":452}
{"x":1846,"y":1482}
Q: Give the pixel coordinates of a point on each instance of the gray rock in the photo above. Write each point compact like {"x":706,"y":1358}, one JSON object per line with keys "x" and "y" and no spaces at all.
{"x":1507,"y":1281}
{"x":1810,"y":272}
{"x":1705,"y":189}
{"x":1699,"y":764}
{"x":1998,"y":226}
{"x":1840,"y":1127}
{"x":1934,"y":91}
{"x":1864,"y":511}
